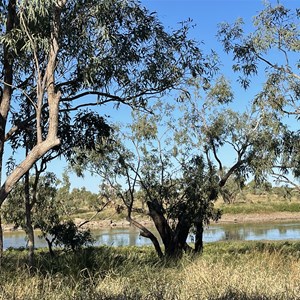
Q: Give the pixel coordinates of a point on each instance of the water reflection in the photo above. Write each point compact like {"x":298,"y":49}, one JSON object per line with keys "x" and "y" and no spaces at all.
{"x":130,"y":236}
{"x":261,"y":231}
{"x":18,"y":239}
{"x":120,"y":237}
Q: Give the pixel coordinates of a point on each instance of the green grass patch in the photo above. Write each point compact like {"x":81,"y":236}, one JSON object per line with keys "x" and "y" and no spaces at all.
{"x":263,"y":207}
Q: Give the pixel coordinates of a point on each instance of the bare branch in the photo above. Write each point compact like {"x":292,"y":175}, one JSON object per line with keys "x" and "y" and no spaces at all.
{"x":216,"y":155}
{"x":20,"y":89}
{"x":282,"y":178}
{"x":97,"y":212}
{"x":224,"y":178}
{"x":276,"y":67}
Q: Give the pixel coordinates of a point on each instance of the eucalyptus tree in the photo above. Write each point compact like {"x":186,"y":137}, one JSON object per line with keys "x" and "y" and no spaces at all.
{"x":119,"y":168}
{"x":178,"y":190}
{"x":273,"y":45}
{"x":182,"y":172}
{"x":287,"y":169}
{"x":63,"y":55}
{"x":271,"y":52}
{"x":200,"y":186}
{"x":52,"y":216}
{"x":28,"y":210}
{"x":232,"y":189}
{"x":88,"y":129}
{"x":236,"y":143}
{"x":48,"y":212}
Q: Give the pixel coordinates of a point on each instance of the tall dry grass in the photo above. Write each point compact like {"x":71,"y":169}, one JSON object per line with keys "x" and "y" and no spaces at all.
{"x":240,"y":270}
{"x":257,"y":275}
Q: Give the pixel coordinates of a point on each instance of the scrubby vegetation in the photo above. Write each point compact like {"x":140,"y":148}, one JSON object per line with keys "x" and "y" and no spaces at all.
{"x":192,"y":140}
{"x":239,"y":270}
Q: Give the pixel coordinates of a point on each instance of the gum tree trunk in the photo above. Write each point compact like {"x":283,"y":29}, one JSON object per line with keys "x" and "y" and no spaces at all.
{"x":28,"y":226}
{"x":1,"y":238}
{"x":174,"y":240}
{"x":53,"y":97}
{"x":199,"y":237}
{"x":7,"y":92}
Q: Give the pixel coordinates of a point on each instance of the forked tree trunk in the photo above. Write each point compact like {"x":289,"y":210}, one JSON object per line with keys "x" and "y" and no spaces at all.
{"x":181,"y":234}
{"x":162,"y":227}
{"x":50,"y":244}
{"x":174,"y":240}
{"x":53,"y":96}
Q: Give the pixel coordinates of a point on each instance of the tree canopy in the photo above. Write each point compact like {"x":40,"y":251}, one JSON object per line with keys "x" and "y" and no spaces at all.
{"x":61,"y":56}
{"x":270,"y":51}
{"x":63,"y":60}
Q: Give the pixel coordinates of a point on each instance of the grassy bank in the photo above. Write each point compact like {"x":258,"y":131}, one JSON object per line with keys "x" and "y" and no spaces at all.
{"x":260,"y":204}
{"x":235,"y":270}
{"x":249,"y":208}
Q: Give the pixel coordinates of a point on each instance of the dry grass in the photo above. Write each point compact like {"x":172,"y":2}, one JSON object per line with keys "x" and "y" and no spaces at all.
{"x":246,"y":276}
{"x":240,"y":270}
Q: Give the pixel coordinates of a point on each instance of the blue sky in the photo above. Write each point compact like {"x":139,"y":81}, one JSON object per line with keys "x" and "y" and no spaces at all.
{"x":206,"y":15}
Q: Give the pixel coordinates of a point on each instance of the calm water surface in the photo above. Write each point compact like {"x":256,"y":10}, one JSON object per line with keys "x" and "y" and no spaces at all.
{"x":130,"y":236}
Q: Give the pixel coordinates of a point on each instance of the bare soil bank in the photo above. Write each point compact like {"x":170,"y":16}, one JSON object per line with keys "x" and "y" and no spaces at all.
{"x":226,"y":219}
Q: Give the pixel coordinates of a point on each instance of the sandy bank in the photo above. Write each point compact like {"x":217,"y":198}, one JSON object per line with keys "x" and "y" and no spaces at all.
{"x":226,"y":219}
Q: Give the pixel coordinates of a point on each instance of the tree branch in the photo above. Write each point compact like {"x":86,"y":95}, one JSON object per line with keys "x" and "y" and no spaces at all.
{"x":147,"y":234}
{"x":224,"y":178}
{"x":283,"y":178}
{"x":92,"y":217}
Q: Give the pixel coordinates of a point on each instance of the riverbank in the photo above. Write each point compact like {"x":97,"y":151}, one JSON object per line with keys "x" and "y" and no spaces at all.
{"x":225,"y":271}
{"x":260,"y":217}
{"x":226,"y":219}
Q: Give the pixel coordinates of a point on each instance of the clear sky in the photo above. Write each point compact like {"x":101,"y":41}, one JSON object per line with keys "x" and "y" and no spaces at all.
{"x":206,"y":15}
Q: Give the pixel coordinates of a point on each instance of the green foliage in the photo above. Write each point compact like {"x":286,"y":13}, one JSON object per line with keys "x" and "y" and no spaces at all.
{"x":112,"y":51}
{"x":209,"y":126}
{"x":220,"y":92}
{"x":231,"y":190}
{"x":44,"y":209}
{"x":261,"y":207}
{"x":75,"y":200}
{"x":108,"y":42}
{"x":289,"y":148}
{"x":139,"y":168}
{"x":48,"y":210}
{"x":81,"y":198}
{"x":68,"y":235}
{"x":285,"y":192}
{"x":145,"y":127}
{"x":259,"y":188}
{"x":276,"y":30}
{"x":200,"y":185}
{"x":271,"y":51}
